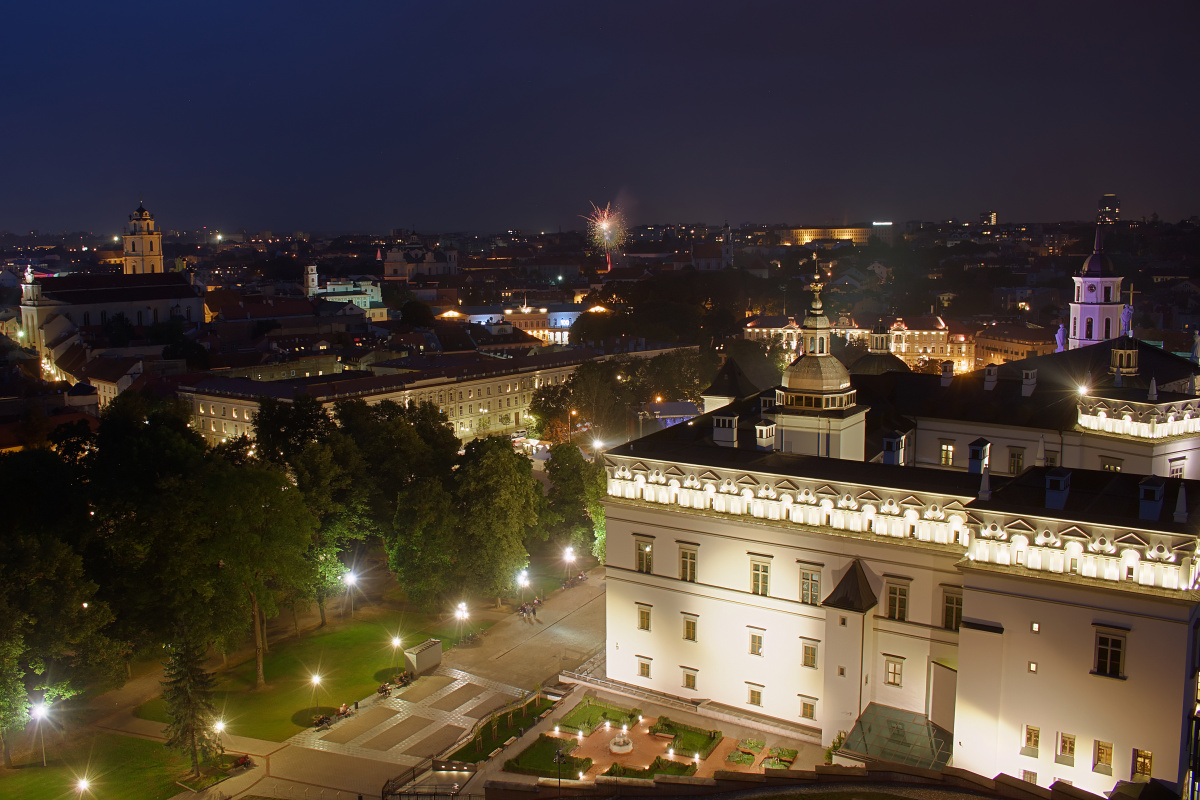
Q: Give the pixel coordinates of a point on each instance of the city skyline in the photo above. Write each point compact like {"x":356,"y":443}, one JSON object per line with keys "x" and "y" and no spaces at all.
{"x":482,"y":119}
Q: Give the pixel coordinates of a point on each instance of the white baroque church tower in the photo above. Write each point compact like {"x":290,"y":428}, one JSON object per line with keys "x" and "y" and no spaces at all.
{"x":143,"y":244}
{"x":1096,"y":308}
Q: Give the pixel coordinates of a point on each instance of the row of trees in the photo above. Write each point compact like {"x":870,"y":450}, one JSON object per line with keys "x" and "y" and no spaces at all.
{"x":606,"y":394}
{"x":136,"y":537}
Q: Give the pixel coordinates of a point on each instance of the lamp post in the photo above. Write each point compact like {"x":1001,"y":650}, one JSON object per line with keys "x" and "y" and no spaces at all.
{"x":82,"y":785}
{"x":558,"y":765}
{"x":38,"y":712}
{"x":523,"y":582}
{"x":569,"y":558}
{"x":571,"y":425}
{"x":219,"y":727}
{"x":316,"y":684}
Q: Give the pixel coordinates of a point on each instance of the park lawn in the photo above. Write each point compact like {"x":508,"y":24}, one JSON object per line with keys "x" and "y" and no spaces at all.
{"x":352,"y":660}
{"x":116,"y":766}
{"x":538,"y":759}
{"x":485,"y":742}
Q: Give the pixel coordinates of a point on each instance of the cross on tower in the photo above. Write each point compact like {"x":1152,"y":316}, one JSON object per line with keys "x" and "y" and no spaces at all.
{"x":1131,"y":294}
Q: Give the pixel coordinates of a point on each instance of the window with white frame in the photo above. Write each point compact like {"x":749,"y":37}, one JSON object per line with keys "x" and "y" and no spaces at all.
{"x":1176,"y":467}
{"x":894,"y":674}
{"x":809,"y":650}
{"x":754,"y":694}
{"x":645,"y":558}
{"x":689,"y":627}
{"x":687,"y":564}
{"x":644,"y":666}
{"x":808,"y":707}
{"x":760,"y":577}
{"x":1066,"y":749}
{"x":756,"y":642}
{"x":1028,"y":776}
{"x":946,"y":454}
{"x":897,"y":600}
{"x":1033,"y":738}
{"x":1102,"y":757}
{"x":689,"y":678}
{"x":952,"y":605}
{"x":643,"y":614}
{"x":810,"y":586}
{"x":1110,"y":654}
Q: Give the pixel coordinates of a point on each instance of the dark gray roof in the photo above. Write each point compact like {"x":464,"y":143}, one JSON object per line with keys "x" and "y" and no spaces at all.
{"x":853,"y":592}
{"x":737,"y":379}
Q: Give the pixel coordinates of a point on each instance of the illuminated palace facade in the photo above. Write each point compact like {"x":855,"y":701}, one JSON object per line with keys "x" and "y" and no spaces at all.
{"x":782,"y":557}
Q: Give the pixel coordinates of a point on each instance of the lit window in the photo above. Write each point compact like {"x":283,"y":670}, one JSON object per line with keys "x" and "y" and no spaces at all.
{"x":808,"y":708}
{"x":1033,"y":667}
{"x":1177,"y":467}
{"x":1066,"y":749}
{"x":1033,"y":737}
{"x":895,"y":672}
{"x":756,"y":644}
{"x":1143,"y":762}
{"x":643,"y":618}
{"x":760,"y":580}
{"x":810,"y":655}
{"x":947,"y":455}
{"x":1102,"y":758}
{"x":1016,"y":459}
{"x":1028,"y":777}
{"x":1110,"y":655}
{"x":810,"y":587}
{"x":645,"y":559}
{"x":1035,"y":627}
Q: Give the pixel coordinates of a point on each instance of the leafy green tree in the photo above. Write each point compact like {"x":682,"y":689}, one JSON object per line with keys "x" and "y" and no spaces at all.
{"x":14,"y":696}
{"x":576,"y":484}
{"x":282,"y":430}
{"x":187,"y":693}
{"x":416,"y":313}
{"x":263,"y":531}
{"x":423,"y":550}
{"x":497,"y":499}
{"x":549,"y":403}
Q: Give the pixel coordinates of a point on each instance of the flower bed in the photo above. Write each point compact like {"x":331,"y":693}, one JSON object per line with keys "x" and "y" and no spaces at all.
{"x":660,"y":766}
{"x":738,"y":757}
{"x":592,"y":713}
{"x":538,"y":759}
{"x":688,"y":740}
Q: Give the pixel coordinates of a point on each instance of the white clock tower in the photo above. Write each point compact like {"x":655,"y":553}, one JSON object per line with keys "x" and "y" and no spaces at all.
{"x":1096,"y":308}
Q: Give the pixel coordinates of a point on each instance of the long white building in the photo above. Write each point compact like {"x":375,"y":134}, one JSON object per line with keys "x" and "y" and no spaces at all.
{"x":764,"y":558}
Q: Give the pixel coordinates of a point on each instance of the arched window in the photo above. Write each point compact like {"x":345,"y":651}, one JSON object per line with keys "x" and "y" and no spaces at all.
{"x":1088,"y":329}
{"x":1108,"y":328}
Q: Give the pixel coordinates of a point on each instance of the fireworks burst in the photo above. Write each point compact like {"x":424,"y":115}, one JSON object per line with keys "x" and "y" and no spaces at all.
{"x":606,"y":228}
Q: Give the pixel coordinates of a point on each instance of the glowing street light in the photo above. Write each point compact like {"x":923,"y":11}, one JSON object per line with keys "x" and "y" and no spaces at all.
{"x":38,"y":712}
{"x":351,"y":580}
{"x":460,"y":612}
{"x":569,"y":558}
{"x":1083,"y":390}
{"x":395,"y":641}
{"x":82,"y":785}
{"x":316,"y":684}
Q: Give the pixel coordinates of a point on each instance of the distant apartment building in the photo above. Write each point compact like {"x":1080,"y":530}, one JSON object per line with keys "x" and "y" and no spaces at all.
{"x":999,"y":344}
{"x":479,"y":394}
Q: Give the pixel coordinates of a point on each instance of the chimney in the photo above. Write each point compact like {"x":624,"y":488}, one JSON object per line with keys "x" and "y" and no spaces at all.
{"x":725,"y":430}
{"x":764,"y":434}
{"x":1058,"y":486}
{"x":1028,"y":381}
{"x":947,"y":372}
{"x":1151,"y":491}
{"x":1040,"y":460}
{"x":990,"y":374}
{"x":985,"y":486}
{"x":1181,"y":513}
{"x":1152,"y":397}
{"x":978,"y":453}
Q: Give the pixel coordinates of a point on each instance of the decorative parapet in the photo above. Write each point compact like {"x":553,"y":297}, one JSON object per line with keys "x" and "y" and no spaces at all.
{"x":1139,"y":420}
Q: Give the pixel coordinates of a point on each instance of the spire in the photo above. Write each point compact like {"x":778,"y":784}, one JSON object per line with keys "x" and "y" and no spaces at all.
{"x":985,"y":486}
{"x":1153,"y":395}
{"x":1098,"y":248}
{"x":1181,"y":513}
{"x":1040,"y":460}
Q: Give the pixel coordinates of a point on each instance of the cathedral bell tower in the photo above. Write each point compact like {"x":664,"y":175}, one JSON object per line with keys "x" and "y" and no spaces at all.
{"x":143,"y":244}
{"x":1096,"y":308}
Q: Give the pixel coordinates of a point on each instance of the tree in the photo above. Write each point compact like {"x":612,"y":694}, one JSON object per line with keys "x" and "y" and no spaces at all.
{"x":550,"y":403}
{"x":263,"y":531}
{"x":283,"y":430}
{"x":14,"y":697}
{"x":497,"y":501}
{"x":187,"y":693}
{"x":576,"y":484}
{"x":423,"y":550}
{"x":417,"y":314}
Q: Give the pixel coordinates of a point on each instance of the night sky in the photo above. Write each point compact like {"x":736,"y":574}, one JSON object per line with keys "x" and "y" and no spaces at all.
{"x":483,"y":116}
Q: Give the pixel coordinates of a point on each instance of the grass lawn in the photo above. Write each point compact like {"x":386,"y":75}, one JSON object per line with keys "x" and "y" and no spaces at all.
{"x":352,"y":660}
{"x":591,"y":713}
{"x":538,"y":759}
{"x":485,"y":742}
{"x":115,"y":766}
{"x":688,"y":740}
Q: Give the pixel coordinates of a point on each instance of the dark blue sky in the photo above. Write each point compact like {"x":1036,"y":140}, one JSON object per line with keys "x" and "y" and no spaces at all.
{"x":444,"y":115}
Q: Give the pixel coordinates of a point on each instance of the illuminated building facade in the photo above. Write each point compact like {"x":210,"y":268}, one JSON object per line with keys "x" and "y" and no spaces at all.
{"x":1042,"y":624}
{"x":858,"y":234}
{"x":143,"y":244}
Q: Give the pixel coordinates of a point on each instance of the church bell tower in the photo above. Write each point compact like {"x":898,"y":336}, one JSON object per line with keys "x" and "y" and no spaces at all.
{"x":143,"y":244}
{"x":1096,"y":308}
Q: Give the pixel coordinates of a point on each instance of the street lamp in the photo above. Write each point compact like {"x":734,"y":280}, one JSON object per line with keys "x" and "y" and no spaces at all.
{"x":523,"y":582}
{"x":350,"y":579}
{"x":82,"y":785}
{"x":316,"y":683}
{"x":571,"y":425}
{"x":219,"y":727}
{"x":569,"y":557}
{"x":38,"y":712}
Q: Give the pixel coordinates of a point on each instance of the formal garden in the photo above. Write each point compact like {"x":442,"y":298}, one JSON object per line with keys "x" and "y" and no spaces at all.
{"x":503,"y":725}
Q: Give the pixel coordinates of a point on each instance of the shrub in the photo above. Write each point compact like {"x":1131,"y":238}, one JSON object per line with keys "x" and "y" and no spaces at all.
{"x":689,"y":739}
{"x":660,"y":766}
{"x":592,"y":713}
{"x":538,"y":759}
{"x":738,"y":757}
{"x":783,"y":754}
{"x":753,"y":745}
